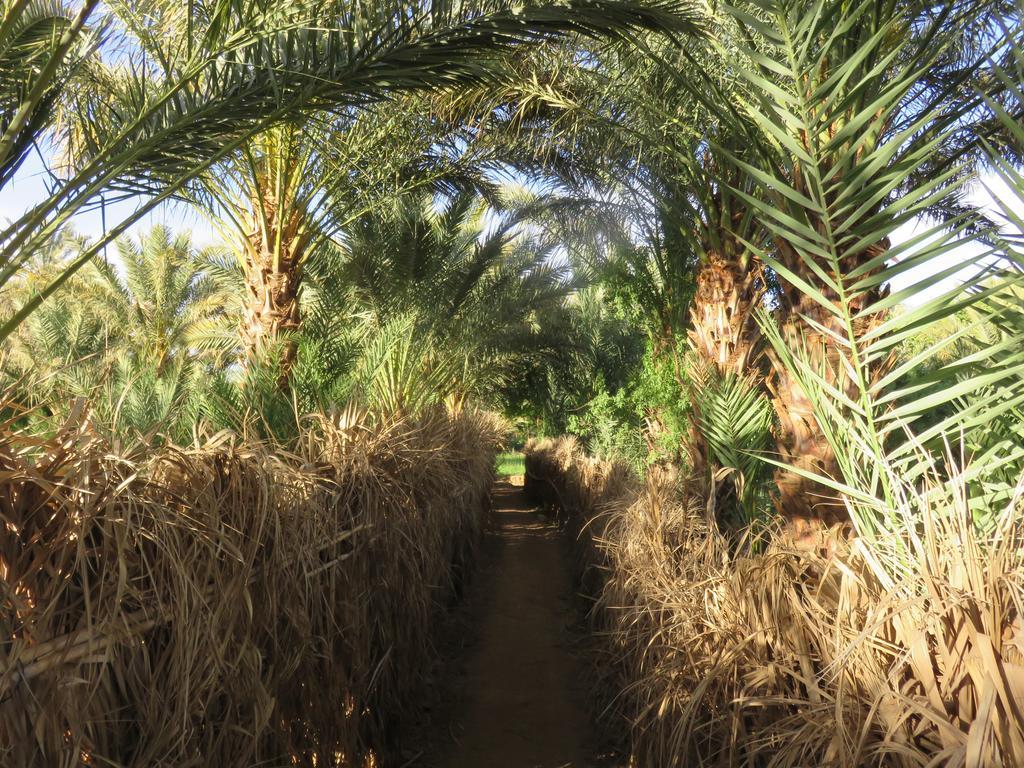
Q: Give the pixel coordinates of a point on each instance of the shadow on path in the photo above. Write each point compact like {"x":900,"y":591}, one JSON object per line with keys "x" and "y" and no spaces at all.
{"x":521,"y":699}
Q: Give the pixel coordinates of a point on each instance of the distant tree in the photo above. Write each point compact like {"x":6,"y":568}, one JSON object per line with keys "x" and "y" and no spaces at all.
{"x":128,"y":341}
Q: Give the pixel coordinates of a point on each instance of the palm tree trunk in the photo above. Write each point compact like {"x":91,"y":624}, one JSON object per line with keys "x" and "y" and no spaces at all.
{"x":271,"y":318}
{"x":725,"y":339}
{"x":806,"y":504}
{"x":725,"y":334}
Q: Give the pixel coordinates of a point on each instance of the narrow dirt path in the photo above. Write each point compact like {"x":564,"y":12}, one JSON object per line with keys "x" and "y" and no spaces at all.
{"x":521,"y":703}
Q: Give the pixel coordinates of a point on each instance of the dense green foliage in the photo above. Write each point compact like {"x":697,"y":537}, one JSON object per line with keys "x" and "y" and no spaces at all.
{"x":697,"y":276}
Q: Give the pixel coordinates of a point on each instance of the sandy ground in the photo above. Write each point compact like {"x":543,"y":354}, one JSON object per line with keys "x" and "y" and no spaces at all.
{"x":515,"y":698}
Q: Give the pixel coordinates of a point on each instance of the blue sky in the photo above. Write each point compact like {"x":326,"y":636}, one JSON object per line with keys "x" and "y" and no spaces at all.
{"x":29,"y":187}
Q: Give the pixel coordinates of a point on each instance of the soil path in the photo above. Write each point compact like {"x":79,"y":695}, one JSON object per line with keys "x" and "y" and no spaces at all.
{"x":521,"y":703}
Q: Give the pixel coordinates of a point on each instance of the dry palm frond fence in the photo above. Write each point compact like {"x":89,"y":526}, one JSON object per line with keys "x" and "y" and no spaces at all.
{"x":229,"y":605}
{"x":785,"y":657}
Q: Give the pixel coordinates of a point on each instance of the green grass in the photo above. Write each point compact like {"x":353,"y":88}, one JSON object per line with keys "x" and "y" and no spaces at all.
{"x":509,"y":464}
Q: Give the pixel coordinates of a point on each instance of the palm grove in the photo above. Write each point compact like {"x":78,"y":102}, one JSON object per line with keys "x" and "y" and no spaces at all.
{"x":709,"y":237}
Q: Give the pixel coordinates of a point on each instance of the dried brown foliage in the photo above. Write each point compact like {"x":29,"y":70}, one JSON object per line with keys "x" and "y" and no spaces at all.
{"x":229,"y":605}
{"x":785,"y":657}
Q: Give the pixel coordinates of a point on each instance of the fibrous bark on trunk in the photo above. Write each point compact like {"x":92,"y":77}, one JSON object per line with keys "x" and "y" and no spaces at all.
{"x":725,"y":340}
{"x":271,"y":317}
{"x":807,"y":505}
{"x":725,"y":333}
{"x":273,"y":278}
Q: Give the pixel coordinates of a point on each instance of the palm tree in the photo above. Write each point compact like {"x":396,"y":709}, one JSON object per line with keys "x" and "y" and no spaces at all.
{"x":662,"y":144}
{"x":291,"y":189}
{"x":130,"y":342}
{"x":452,"y":296}
{"x":827,"y":114}
{"x":165,"y":299}
{"x":859,"y":108}
{"x":192,"y":83}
